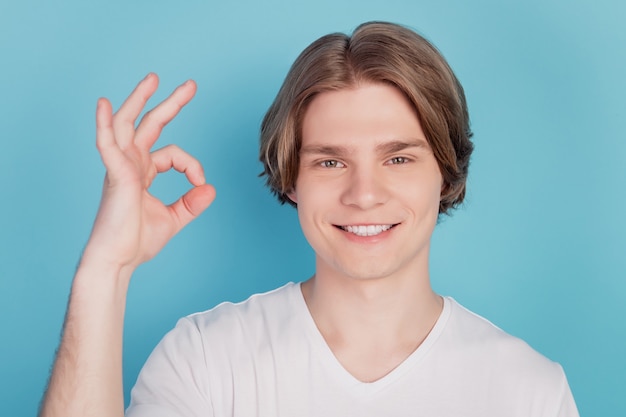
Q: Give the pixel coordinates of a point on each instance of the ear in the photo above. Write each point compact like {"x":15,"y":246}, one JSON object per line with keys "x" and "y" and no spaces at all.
{"x":292,"y":196}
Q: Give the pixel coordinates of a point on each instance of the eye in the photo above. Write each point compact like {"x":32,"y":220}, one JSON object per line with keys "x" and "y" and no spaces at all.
{"x":331,"y":163}
{"x":397,"y":160}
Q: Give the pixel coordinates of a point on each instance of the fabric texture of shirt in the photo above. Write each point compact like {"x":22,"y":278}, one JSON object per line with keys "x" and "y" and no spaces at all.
{"x":265,"y":357}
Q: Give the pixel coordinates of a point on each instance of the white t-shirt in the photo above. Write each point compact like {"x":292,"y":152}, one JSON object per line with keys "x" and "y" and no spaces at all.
{"x":265,"y":357}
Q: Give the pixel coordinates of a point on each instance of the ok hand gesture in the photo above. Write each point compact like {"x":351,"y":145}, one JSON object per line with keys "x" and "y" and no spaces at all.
{"x":132,"y":225}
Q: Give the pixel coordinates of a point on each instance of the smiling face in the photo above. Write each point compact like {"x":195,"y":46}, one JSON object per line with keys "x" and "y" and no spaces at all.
{"x":368,"y":186}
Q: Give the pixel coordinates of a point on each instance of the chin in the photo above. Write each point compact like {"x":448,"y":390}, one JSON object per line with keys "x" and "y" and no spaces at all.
{"x":366,"y":272}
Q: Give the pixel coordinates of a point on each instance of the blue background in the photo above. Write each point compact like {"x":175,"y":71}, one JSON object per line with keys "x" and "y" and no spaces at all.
{"x":539,"y":247}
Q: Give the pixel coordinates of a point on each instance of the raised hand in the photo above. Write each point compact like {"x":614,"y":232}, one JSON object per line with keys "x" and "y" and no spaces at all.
{"x":132,"y":225}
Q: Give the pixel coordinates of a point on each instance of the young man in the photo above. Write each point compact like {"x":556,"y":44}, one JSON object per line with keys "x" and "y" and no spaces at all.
{"x":369,"y":139}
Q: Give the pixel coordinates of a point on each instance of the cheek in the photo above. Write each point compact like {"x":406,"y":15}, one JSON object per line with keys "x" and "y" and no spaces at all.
{"x":423,"y":197}
{"x":429,"y":198}
{"x":438,"y":184}
{"x":311,"y":191}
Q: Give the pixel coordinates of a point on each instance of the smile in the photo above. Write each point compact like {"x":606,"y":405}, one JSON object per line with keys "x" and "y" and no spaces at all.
{"x":369,"y":230}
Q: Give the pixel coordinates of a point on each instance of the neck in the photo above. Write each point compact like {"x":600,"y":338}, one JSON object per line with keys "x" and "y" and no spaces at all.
{"x":371,"y":303}
{"x":404,"y":292}
{"x":372,"y":325}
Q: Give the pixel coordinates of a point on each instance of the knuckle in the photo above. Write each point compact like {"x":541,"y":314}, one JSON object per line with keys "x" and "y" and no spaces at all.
{"x":120,"y":122}
{"x":173,"y":148}
{"x":148,"y":116}
{"x":196,"y":164}
{"x":151,"y":117}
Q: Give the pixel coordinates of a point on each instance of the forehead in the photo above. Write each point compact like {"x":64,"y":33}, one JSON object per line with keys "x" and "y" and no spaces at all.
{"x":370,"y":111}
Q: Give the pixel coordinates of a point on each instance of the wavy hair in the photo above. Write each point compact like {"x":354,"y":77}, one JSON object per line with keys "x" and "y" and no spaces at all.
{"x":376,"y":52}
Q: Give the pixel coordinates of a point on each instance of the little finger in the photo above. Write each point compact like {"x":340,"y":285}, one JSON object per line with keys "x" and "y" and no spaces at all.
{"x":105,"y":137}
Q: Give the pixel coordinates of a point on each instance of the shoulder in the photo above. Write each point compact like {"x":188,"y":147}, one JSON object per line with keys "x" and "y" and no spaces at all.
{"x":476,"y":338}
{"x":257,"y":315}
{"x":272,"y":302}
{"x":479,"y":363}
{"x":227,"y":336}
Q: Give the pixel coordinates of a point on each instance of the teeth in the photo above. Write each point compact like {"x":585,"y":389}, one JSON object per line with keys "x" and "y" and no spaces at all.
{"x":370,"y":230}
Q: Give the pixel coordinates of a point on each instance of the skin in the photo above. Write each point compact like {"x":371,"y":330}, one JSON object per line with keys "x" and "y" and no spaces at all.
{"x":365,"y":161}
{"x":130,"y":228}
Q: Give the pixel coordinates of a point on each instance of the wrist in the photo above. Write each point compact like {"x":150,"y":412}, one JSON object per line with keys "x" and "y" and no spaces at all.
{"x":99,"y":264}
{"x":99,"y":271}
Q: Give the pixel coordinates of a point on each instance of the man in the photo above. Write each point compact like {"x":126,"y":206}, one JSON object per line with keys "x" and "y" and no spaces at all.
{"x":369,"y":139}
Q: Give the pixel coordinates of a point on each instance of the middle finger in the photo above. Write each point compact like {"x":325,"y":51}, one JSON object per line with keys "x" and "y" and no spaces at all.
{"x":155,"y":120}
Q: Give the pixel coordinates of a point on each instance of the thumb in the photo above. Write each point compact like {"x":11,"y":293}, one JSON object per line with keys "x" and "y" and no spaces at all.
{"x":192,"y":204}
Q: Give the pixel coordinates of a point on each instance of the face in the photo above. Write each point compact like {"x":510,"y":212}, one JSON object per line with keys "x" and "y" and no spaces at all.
{"x":368,"y":186}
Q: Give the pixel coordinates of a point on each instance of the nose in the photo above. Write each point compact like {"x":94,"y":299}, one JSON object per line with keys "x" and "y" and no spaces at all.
{"x":365,"y":188}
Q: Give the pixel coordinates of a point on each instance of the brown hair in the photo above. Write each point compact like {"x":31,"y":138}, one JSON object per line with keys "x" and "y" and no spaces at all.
{"x":376,"y":52}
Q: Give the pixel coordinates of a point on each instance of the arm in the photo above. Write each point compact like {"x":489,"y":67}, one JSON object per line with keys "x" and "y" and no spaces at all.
{"x":130,"y":228}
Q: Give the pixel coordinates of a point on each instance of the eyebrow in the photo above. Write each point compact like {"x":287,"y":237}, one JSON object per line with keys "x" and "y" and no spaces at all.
{"x":332,"y":150}
{"x":383,"y":148}
{"x":400,"y":145}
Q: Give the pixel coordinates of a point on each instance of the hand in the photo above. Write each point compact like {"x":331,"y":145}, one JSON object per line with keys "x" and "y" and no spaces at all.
{"x":132,"y":225}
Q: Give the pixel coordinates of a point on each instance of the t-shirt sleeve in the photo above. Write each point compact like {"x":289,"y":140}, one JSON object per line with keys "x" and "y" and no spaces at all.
{"x":174,"y":380}
{"x":567,"y":405}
